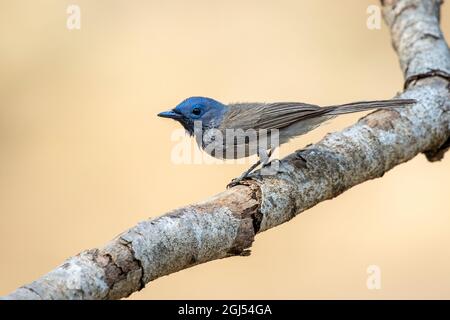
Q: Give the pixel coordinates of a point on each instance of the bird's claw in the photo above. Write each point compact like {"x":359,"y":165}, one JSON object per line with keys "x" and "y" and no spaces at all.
{"x":234,"y":182}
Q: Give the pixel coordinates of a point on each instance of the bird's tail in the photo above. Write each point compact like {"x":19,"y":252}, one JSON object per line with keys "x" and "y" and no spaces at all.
{"x":366,"y":105}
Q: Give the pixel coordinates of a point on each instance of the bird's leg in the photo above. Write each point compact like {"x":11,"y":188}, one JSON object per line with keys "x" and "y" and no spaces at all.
{"x":274,"y":165}
{"x":236,"y":181}
{"x":264,"y":157}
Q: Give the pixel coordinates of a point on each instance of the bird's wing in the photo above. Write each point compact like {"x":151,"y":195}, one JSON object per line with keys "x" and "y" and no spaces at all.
{"x":267,"y":116}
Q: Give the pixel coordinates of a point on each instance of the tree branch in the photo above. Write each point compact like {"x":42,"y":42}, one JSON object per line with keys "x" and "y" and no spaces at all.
{"x":226,"y":224}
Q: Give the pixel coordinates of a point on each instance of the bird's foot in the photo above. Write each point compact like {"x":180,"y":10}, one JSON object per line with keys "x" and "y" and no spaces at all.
{"x":243,"y":176}
{"x":234,"y":182}
{"x":239,"y":179}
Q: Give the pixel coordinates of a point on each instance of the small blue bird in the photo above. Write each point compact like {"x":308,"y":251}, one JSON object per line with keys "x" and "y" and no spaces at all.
{"x":211,"y":122}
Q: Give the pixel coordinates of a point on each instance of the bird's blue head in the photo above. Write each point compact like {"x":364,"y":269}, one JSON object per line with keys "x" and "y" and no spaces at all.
{"x":209,"y":111}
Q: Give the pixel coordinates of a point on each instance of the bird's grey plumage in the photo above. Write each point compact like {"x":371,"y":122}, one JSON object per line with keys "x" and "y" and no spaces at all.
{"x":292,"y":119}
{"x":280,"y":115}
{"x":269,"y":115}
{"x":256,"y":122}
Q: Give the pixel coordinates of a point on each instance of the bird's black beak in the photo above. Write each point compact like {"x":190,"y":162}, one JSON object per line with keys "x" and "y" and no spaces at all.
{"x":171,"y":114}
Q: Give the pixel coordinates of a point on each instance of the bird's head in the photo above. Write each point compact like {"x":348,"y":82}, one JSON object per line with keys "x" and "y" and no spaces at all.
{"x":206,"y":110}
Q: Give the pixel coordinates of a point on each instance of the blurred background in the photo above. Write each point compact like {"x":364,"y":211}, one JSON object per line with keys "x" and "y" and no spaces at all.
{"x":84,"y":157}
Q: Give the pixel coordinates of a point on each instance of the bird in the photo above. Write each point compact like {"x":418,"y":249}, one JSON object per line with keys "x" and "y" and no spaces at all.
{"x":236,"y":130}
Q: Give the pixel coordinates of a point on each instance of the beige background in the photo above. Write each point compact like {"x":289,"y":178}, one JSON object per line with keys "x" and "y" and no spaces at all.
{"x":83,"y":155}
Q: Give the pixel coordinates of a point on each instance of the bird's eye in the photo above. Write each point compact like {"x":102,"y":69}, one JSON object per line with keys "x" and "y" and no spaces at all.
{"x":196,"y":111}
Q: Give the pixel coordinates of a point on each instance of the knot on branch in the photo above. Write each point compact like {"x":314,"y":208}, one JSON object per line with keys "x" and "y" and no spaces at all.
{"x":432,"y":73}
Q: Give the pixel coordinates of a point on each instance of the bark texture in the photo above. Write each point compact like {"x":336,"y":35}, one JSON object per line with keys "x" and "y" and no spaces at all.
{"x":226,"y":224}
